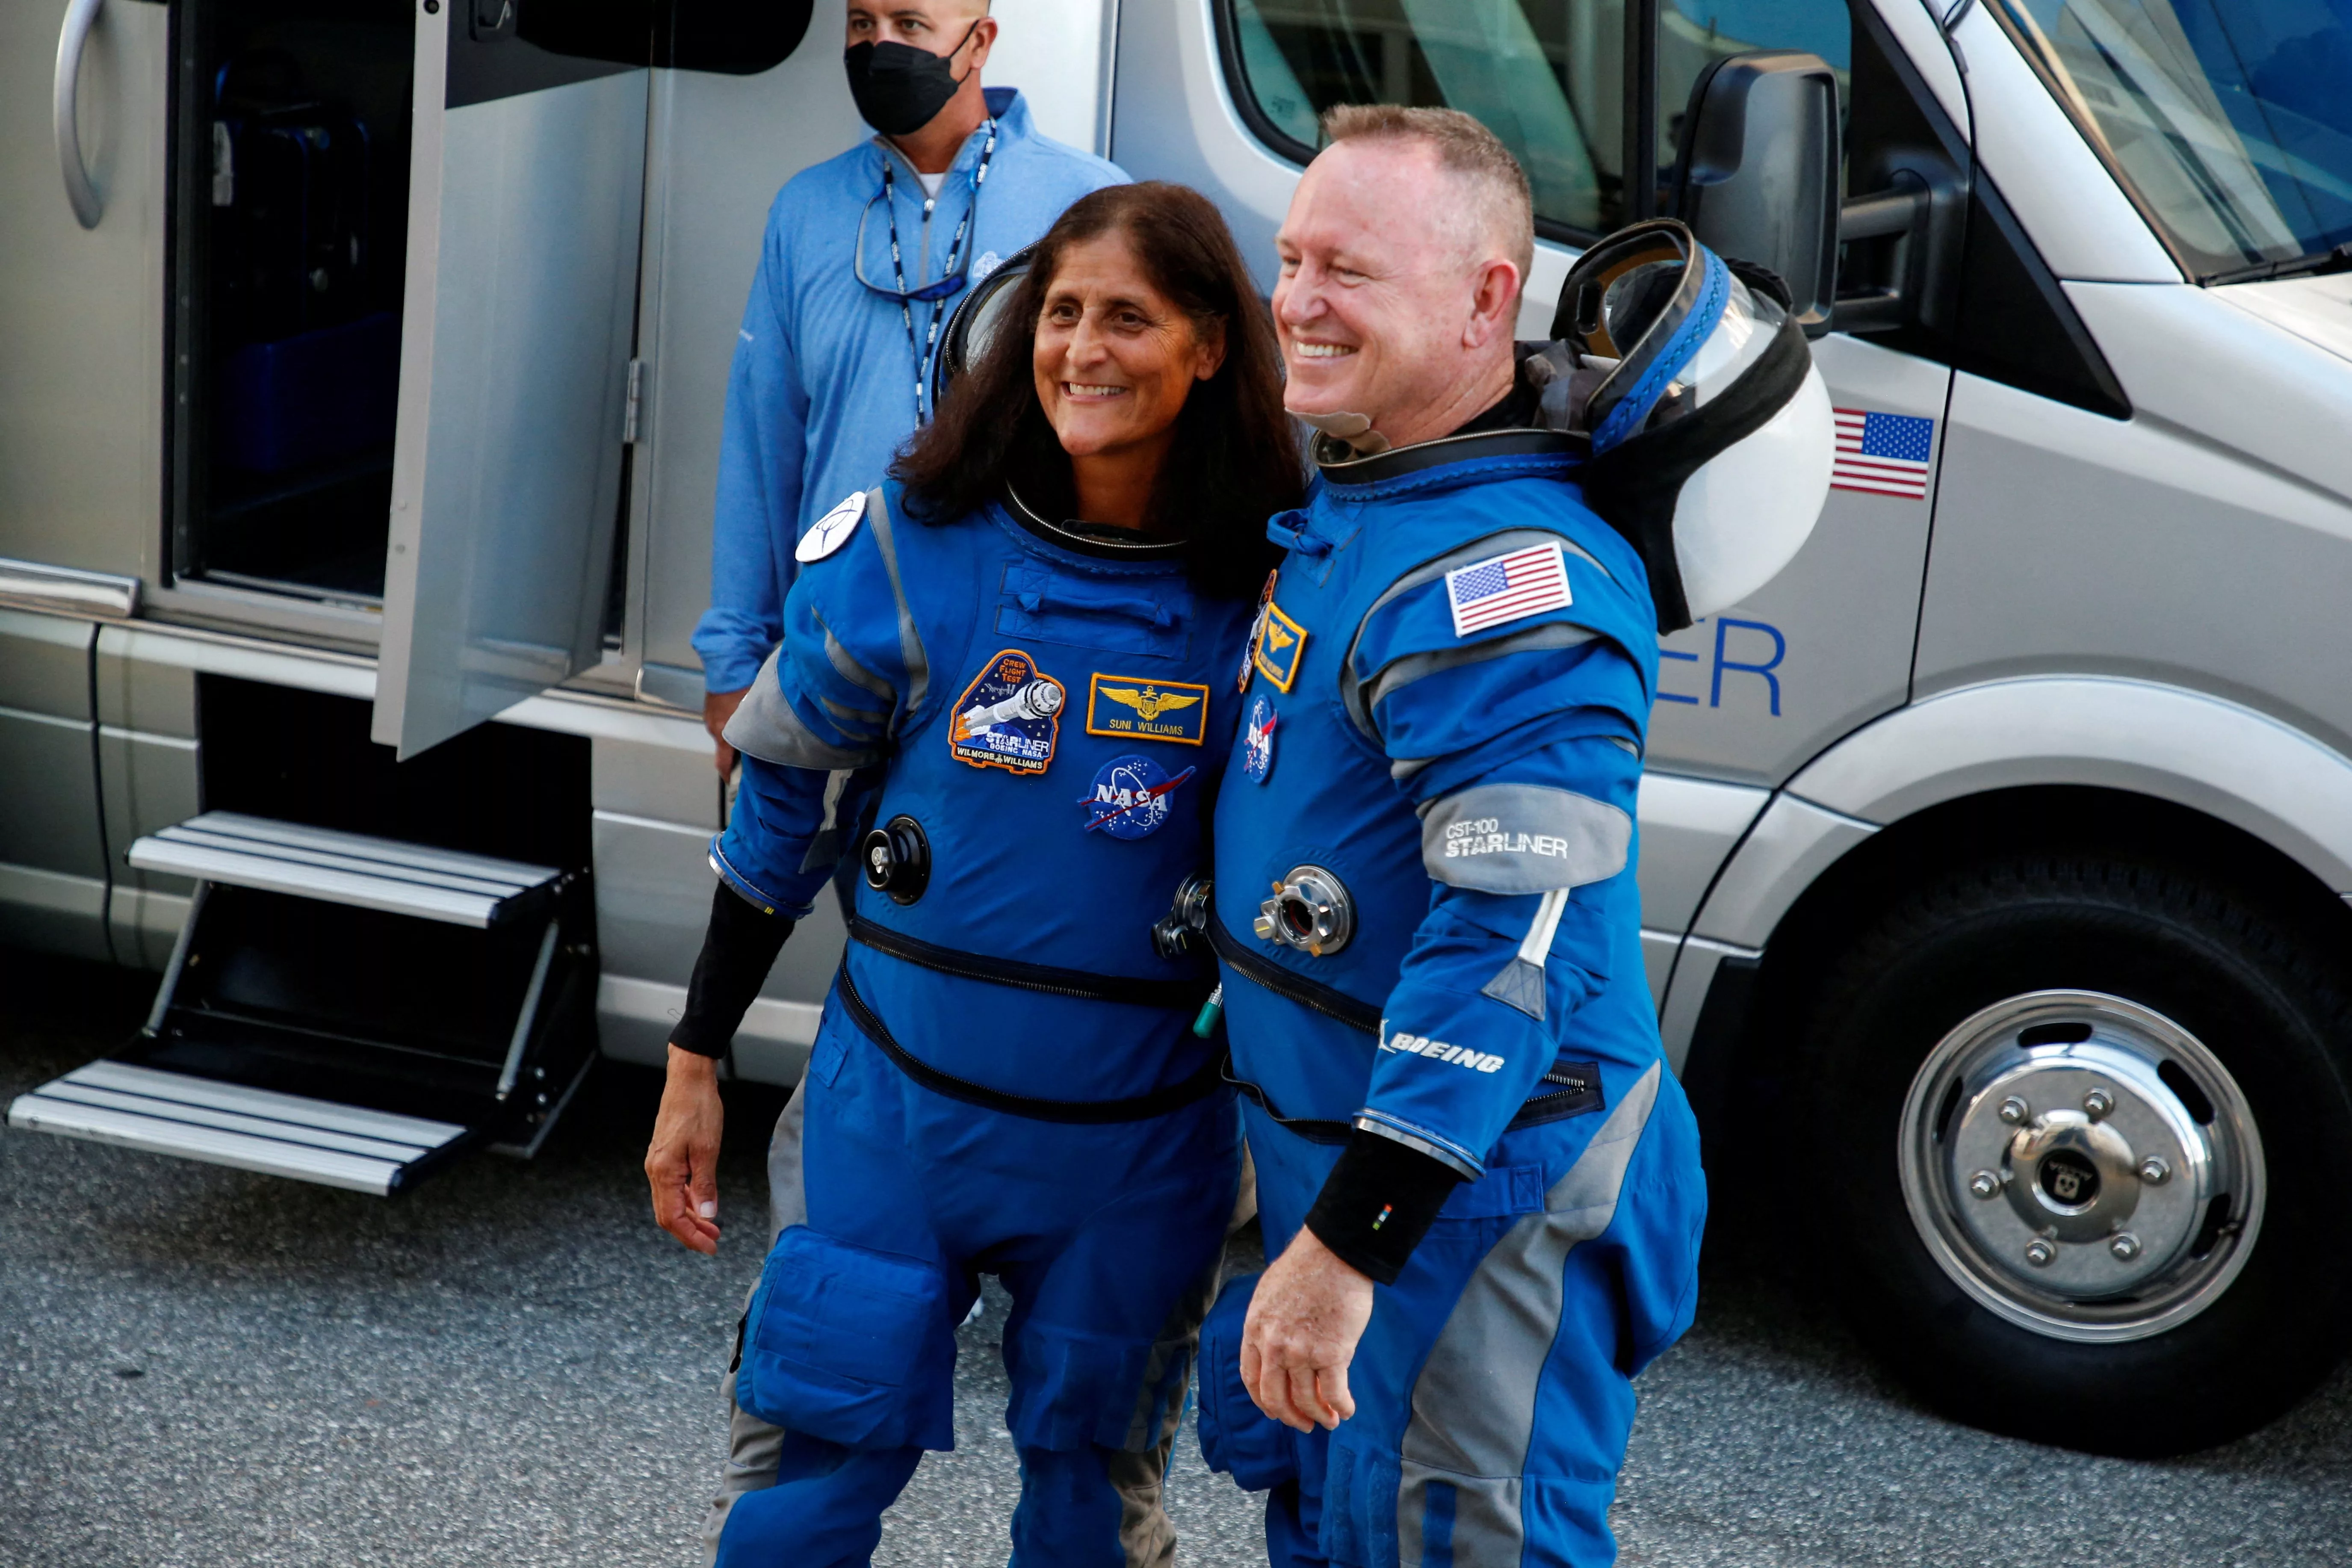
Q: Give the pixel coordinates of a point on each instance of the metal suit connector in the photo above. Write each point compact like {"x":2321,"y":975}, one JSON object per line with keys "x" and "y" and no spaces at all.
{"x":1311,"y":910}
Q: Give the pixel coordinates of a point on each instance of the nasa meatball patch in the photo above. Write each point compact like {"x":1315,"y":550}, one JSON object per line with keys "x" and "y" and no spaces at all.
{"x":1132,"y":797}
{"x":1257,"y":741}
{"x":1281,"y":643}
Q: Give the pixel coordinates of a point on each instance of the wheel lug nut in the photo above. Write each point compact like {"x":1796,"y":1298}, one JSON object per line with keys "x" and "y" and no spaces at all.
{"x":2125,"y":1247}
{"x":1984,"y":1183}
{"x":2039,"y":1252}
{"x":2153,"y":1170}
{"x":2097,"y":1103}
{"x":2014,"y":1111}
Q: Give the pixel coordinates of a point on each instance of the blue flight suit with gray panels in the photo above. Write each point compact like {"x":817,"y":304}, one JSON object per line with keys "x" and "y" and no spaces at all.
{"x":1025,"y":722}
{"x":1426,"y":910}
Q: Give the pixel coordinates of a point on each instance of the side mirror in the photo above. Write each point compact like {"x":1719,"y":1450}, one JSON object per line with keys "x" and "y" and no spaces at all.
{"x":1758,"y":177}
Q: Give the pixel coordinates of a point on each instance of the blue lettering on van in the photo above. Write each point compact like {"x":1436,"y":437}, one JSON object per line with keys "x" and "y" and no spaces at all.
{"x":1723,"y":629}
{"x":1779,"y":651}
{"x":1664,"y":695}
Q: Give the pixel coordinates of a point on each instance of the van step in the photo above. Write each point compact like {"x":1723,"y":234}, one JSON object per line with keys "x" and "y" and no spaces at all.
{"x":230,"y":1124}
{"x":353,"y":868}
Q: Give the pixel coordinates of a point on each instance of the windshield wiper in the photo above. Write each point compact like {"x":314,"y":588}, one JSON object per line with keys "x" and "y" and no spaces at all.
{"x":2312,"y":264}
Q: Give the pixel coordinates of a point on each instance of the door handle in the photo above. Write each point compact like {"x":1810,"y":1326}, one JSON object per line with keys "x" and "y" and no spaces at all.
{"x":88,"y":205}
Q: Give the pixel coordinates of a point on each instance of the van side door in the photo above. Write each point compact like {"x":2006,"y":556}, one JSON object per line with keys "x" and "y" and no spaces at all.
{"x":526,"y":182}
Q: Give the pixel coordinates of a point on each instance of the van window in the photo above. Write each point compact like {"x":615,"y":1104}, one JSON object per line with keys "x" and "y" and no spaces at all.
{"x":1547,"y":77}
{"x":2229,"y":120}
{"x":1694,"y":34}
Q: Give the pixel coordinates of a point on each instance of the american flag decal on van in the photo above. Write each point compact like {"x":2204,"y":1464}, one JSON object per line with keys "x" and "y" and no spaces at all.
{"x":1882,"y":454}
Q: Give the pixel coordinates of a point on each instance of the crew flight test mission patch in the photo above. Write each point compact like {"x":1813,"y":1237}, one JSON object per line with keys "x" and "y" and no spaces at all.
{"x":1009,"y":717}
{"x":1258,"y":629}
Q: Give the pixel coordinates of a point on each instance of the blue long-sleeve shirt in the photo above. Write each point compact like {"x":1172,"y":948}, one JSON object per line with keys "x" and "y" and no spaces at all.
{"x":821,"y":393}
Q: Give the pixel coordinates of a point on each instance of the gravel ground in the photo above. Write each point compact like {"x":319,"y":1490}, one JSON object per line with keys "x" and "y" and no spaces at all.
{"x":199,"y":1366}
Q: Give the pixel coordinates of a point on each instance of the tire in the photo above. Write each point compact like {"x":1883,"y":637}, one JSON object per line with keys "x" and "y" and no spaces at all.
{"x":2049,"y":978}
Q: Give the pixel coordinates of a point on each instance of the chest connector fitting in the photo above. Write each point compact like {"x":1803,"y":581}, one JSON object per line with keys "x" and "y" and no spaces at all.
{"x":898,"y":859}
{"x":1183,"y":928}
{"x":1311,"y":910}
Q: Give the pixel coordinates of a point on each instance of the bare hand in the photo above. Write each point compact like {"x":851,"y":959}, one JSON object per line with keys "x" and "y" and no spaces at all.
{"x":718,"y":707}
{"x":682,"y":1164}
{"x":1305,"y":1319}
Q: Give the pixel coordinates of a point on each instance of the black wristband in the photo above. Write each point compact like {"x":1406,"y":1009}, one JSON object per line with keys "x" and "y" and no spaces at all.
{"x":739,"y":948}
{"x":1378,"y":1203}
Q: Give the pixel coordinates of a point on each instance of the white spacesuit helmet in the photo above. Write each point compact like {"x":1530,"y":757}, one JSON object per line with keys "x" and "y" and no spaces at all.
{"x":1711,"y":432}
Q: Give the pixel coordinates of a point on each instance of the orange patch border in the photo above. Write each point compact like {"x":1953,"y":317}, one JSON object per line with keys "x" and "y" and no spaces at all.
{"x":1052,"y":742}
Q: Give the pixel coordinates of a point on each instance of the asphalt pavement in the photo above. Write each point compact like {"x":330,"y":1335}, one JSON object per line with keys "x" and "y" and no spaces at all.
{"x":199,"y":1366}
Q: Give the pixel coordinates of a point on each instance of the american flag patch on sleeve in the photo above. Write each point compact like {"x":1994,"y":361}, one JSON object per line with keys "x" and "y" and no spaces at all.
{"x":1507,"y":587}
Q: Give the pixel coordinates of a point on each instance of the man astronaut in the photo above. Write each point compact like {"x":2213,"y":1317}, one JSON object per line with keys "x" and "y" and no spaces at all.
{"x":1480,"y":1185}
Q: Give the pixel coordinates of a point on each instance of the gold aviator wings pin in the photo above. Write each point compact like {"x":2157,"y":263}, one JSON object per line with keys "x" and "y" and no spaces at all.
{"x":1151,"y":703}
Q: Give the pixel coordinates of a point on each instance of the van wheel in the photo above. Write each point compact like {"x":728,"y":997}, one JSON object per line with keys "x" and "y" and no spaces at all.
{"x":2085,"y":1130}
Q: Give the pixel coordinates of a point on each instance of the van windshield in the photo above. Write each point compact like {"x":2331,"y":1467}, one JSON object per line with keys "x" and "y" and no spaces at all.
{"x":2229,"y":120}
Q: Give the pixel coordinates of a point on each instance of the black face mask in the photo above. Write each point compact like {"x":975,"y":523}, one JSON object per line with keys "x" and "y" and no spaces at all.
{"x":899,"y":87}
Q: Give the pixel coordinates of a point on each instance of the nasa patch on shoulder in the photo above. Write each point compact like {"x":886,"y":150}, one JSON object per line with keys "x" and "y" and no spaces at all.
{"x":831,"y":531}
{"x":1129,"y":797}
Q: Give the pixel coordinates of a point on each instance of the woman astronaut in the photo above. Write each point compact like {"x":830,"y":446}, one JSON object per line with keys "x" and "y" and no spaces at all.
{"x":1019,"y":723}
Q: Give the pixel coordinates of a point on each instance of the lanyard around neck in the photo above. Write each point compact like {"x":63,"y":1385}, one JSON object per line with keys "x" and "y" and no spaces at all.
{"x":951,"y":278}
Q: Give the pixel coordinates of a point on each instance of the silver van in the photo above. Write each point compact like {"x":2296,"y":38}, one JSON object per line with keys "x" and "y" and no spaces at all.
{"x":356,"y":457}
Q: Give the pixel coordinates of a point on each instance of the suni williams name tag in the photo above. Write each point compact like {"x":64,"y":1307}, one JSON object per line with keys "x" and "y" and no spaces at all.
{"x":1136,"y":709}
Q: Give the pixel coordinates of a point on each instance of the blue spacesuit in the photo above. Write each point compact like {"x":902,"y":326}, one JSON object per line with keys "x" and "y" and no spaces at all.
{"x":1021,"y":726}
{"x":822,"y":391}
{"x":1445,"y":714}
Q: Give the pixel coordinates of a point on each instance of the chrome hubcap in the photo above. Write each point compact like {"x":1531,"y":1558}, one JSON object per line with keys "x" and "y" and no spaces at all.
{"x":2082,"y":1166}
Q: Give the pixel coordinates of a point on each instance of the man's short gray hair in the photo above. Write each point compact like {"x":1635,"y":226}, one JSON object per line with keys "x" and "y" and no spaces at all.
{"x":1497,"y":185}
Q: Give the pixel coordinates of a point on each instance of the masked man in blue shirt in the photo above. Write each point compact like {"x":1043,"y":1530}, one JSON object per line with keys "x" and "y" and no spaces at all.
{"x":865,"y":257}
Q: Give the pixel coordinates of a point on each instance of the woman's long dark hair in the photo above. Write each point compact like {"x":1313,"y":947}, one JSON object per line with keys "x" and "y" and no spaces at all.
{"x":1234,"y":461}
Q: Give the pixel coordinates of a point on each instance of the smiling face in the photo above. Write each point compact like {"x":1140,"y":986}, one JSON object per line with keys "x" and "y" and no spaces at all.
{"x":1389,"y":304}
{"x":1115,"y":358}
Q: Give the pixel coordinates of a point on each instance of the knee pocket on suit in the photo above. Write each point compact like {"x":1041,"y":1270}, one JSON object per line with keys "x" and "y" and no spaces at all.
{"x":849,"y":1345}
{"x":1072,"y":1389}
{"x":1237,"y":1436}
